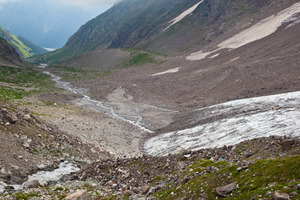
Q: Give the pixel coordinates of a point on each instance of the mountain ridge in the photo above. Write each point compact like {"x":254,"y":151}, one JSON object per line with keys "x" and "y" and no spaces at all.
{"x":24,"y":47}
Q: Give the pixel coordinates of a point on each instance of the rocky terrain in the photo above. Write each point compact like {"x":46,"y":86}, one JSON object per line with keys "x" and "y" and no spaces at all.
{"x":8,"y":53}
{"x":265,"y":168}
{"x":211,"y":87}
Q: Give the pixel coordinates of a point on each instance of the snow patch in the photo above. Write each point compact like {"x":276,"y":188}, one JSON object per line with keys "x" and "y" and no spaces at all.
{"x":183,"y":15}
{"x":244,"y":120}
{"x":258,"y":31}
{"x":167,"y":72}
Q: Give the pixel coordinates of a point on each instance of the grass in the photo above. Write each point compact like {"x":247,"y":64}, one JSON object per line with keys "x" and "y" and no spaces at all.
{"x":139,"y":57}
{"x":280,"y":174}
{"x":35,"y":81}
{"x":70,"y":73}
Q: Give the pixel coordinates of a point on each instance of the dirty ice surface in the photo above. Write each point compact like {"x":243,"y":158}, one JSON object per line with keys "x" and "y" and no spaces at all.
{"x":232,"y":123}
{"x":258,"y":31}
{"x":183,"y":15}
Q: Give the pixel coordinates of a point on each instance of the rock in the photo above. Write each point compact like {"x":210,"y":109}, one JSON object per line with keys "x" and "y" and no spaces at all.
{"x":12,"y":118}
{"x":17,"y":180}
{"x":27,"y":117}
{"x":287,"y":144}
{"x":41,"y":166}
{"x":78,"y":195}
{"x":127,"y":192}
{"x":281,"y":196}
{"x":248,"y":155}
{"x":208,"y":169}
{"x":31,"y":184}
{"x":181,"y":165}
{"x":9,"y":188}
{"x":145,"y":189}
{"x":269,"y":193}
{"x":222,"y":191}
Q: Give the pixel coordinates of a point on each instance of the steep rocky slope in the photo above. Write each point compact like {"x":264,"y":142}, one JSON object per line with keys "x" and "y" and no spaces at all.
{"x":160,"y":26}
{"x":8,"y":53}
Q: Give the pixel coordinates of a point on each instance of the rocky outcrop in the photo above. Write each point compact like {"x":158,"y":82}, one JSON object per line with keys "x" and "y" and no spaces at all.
{"x":8,"y":53}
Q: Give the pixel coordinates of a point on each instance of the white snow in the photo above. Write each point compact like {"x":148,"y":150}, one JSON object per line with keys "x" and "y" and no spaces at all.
{"x":167,"y":72}
{"x":258,"y":31}
{"x":246,"y":119}
{"x":183,"y":15}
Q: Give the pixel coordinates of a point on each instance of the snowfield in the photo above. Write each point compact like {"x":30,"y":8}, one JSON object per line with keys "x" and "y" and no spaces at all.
{"x":258,"y":31}
{"x":183,"y":15}
{"x":232,"y":123}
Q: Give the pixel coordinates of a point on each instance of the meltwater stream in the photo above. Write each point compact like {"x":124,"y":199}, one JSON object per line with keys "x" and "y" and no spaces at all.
{"x":65,"y":168}
{"x":86,"y":101}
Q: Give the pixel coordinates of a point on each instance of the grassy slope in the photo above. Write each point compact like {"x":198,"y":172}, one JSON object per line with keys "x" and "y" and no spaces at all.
{"x":21,"y":82}
{"x":35,"y":48}
{"x":23,"y":50}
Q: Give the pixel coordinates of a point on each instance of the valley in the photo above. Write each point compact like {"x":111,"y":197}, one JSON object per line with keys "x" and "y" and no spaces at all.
{"x":194,"y":100}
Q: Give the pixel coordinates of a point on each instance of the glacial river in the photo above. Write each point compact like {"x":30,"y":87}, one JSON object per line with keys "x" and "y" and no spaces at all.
{"x":87,"y":101}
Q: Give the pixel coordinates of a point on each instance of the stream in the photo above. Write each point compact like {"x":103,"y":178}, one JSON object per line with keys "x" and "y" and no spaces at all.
{"x":86,"y":101}
{"x":65,"y":168}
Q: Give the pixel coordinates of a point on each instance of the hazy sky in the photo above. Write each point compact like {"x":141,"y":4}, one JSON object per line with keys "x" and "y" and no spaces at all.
{"x":49,"y":23}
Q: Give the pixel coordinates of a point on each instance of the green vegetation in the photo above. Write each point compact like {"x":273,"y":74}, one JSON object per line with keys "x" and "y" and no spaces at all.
{"x":25,"y":196}
{"x":71,"y":73}
{"x":139,"y":57}
{"x":23,"y":47}
{"x":21,"y":82}
{"x":280,"y":174}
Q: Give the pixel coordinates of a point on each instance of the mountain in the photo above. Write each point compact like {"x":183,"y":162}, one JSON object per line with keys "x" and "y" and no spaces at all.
{"x":8,"y":53}
{"x":167,"y":26}
{"x":178,"y":99}
{"x":57,"y":20}
{"x":24,"y":47}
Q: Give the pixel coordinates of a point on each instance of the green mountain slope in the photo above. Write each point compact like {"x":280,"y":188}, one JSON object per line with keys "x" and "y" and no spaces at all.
{"x":23,"y":47}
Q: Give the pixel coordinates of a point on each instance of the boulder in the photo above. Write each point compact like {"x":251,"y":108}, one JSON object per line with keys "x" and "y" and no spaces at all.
{"x":11,"y":117}
{"x":31,"y":184}
{"x":222,"y":191}
{"x":145,"y":189}
{"x":78,"y":195}
{"x":127,"y":192}
{"x":287,"y":144}
{"x":181,"y":165}
{"x":281,"y":196}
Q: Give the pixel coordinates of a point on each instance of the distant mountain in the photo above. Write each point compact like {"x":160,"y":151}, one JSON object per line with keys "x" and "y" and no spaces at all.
{"x":47,"y":23}
{"x":23,"y":47}
{"x":166,"y":26}
{"x":8,"y":53}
